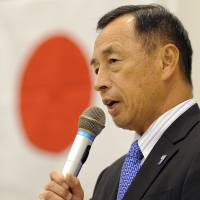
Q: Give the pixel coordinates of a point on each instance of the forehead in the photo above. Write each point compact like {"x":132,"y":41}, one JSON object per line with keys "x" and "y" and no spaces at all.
{"x":118,"y":32}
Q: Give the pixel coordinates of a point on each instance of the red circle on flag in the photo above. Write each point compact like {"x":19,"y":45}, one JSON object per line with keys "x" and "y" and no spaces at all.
{"x":55,"y":89}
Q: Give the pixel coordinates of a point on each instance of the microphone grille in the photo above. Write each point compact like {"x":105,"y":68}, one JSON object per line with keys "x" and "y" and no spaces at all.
{"x":93,"y":120}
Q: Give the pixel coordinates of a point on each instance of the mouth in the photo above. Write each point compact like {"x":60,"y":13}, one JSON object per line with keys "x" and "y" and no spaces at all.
{"x":111,"y":104}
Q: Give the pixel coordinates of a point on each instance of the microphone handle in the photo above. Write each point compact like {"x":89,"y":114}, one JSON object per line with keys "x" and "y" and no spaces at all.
{"x":78,"y":153}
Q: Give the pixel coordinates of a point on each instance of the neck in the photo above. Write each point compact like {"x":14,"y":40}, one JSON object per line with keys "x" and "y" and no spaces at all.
{"x":178,"y":94}
{"x":175,"y":95}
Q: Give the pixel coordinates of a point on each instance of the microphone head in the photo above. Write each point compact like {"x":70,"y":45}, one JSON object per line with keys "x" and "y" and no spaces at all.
{"x":92,"y":120}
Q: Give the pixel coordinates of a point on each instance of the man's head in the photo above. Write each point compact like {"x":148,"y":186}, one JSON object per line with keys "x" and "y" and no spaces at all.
{"x":140,"y":64}
{"x":153,"y":23}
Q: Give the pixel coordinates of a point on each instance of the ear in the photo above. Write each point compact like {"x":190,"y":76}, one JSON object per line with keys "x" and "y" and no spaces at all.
{"x":170,"y":60}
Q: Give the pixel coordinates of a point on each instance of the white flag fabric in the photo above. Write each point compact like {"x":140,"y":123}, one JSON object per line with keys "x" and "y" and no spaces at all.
{"x":45,"y":83}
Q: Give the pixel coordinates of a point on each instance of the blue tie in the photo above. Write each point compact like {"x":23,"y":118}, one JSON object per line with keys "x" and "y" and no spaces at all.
{"x":130,"y":168}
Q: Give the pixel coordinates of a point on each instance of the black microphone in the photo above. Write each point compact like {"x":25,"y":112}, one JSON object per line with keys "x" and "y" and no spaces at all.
{"x":91,"y":123}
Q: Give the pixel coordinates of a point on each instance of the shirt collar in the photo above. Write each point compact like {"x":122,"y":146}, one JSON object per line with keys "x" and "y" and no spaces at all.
{"x":158,"y":127}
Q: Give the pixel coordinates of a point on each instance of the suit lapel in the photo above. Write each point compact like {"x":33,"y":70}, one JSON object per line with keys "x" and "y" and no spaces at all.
{"x":162,"y":153}
{"x":151,"y":169}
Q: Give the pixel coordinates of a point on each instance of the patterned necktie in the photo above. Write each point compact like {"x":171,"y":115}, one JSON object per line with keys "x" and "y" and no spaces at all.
{"x":130,"y":168}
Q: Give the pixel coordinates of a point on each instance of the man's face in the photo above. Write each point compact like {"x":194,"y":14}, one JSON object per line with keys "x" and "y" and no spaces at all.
{"x":126,"y":77}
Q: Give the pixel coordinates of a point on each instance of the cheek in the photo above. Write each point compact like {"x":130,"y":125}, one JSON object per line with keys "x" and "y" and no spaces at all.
{"x":141,"y":92}
{"x":134,"y":97}
{"x":150,"y":94}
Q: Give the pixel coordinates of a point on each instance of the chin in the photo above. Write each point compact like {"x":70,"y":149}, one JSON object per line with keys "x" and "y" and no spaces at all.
{"x":128,"y":125}
{"x":123,"y":124}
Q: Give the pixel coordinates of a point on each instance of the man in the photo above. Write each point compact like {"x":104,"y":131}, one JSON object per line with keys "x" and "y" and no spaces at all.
{"x":142,"y":61}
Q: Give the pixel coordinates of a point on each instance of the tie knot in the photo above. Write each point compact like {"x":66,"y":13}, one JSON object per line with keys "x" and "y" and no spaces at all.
{"x":135,"y":151}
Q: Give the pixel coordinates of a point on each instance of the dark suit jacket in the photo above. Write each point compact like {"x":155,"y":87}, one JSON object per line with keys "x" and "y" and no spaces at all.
{"x":176,"y":178}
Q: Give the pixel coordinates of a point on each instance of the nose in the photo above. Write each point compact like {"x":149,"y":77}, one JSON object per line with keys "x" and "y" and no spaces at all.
{"x":102,"y":80}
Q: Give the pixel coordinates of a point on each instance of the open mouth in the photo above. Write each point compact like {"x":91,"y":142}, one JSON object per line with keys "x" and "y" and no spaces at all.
{"x":110,"y":103}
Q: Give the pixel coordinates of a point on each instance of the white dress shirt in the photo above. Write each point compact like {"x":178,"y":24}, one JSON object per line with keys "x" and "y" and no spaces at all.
{"x":155,"y":131}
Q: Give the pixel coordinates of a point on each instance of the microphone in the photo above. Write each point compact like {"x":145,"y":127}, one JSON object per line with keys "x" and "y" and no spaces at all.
{"x":91,"y":122}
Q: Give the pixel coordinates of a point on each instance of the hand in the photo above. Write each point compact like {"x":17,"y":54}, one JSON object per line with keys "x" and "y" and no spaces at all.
{"x":62,"y":188}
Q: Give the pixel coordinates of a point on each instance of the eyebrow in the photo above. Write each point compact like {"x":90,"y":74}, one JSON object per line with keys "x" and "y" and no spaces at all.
{"x":108,"y":50}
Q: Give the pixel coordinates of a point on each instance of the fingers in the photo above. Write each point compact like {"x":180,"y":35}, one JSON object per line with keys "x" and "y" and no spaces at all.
{"x":58,"y":189}
{"x":49,"y":195}
{"x":62,"y":188}
{"x":59,"y":179}
{"x":74,"y":185}
{"x":69,"y":182}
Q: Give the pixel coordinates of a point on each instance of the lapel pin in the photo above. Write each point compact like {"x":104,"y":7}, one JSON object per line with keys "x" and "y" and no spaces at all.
{"x":162,"y":159}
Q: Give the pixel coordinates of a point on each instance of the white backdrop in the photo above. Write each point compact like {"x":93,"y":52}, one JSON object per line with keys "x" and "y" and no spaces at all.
{"x":24,"y":168}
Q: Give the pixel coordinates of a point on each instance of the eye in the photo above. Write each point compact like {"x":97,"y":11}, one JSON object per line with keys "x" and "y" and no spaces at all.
{"x":112,"y":60}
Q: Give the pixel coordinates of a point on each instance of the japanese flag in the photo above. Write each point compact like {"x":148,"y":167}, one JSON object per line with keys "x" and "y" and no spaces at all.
{"x":45,"y":83}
